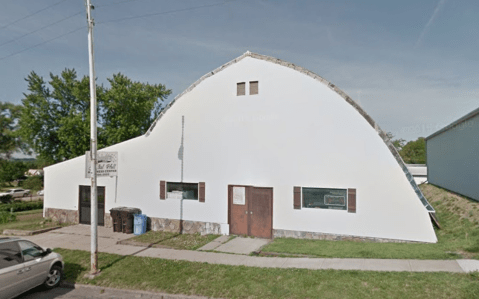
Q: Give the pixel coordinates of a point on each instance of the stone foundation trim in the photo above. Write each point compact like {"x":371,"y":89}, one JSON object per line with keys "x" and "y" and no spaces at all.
{"x":281,"y":233}
{"x":62,"y":216}
{"x":188,"y":227}
{"x":155,"y":224}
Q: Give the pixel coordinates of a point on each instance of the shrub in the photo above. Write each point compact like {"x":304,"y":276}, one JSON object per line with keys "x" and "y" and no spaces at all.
{"x":6,"y":198}
{"x":21,"y":206}
{"x":6,"y":217}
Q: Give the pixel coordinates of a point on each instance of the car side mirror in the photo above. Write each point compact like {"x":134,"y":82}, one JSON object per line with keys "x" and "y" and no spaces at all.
{"x":47,"y":252}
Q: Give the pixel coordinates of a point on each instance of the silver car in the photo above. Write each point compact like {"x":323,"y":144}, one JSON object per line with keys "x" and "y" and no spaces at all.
{"x":25,"y":265}
{"x":16,"y":193}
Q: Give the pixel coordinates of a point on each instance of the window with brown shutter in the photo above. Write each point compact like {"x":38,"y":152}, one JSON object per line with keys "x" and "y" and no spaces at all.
{"x":352,"y":200}
{"x":202,"y":192}
{"x":241,"y":89}
{"x":297,"y":197}
{"x":324,"y":198}
{"x":182,"y":190}
{"x":162,"y":190}
{"x":253,"y":87}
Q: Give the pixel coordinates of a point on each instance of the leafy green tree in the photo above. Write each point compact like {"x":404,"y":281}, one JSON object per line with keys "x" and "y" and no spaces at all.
{"x":33,"y":183}
{"x":51,"y":120}
{"x":9,"y":141}
{"x":414,"y":152}
{"x":129,"y":108}
{"x":398,"y":143}
{"x":55,"y":120}
{"x":12,"y":170}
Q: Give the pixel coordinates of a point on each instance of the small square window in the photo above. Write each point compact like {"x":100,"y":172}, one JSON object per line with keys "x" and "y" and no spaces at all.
{"x":241,"y":89}
{"x":253,"y":87}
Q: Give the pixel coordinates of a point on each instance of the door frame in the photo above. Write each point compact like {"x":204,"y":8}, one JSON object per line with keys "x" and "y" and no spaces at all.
{"x":230,"y":203}
{"x":79,"y":204}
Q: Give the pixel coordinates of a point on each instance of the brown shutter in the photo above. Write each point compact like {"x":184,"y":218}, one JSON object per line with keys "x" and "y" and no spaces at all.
{"x":162,"y":190}
{"x":253,"y":87}
{"x":297,"y":197}
{"x":201,"y":192}
{"x":351,"y":200}
{"x":241,"y":89}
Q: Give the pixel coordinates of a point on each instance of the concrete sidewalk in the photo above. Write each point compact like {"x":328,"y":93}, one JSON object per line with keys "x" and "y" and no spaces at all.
{"x":78,"y":237}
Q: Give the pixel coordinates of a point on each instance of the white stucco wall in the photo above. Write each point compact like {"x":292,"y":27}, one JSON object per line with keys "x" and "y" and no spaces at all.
{"x":295,"y":132}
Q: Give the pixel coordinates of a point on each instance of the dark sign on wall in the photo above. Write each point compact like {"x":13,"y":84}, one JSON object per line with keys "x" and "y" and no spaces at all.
{"x":325,"y":198}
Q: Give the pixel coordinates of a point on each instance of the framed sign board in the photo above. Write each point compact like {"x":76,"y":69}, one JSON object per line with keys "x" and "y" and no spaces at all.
{"x":107,"y":164}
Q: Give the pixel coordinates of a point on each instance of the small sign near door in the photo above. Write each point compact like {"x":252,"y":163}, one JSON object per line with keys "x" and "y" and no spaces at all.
{"x":106,"y":164}
{"x":239,"y":195}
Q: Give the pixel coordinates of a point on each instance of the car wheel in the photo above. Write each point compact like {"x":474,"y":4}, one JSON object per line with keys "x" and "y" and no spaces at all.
{"x":54,"y":277}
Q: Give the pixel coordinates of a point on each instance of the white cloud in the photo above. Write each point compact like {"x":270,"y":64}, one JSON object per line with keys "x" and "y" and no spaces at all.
{"x":439,"y":6}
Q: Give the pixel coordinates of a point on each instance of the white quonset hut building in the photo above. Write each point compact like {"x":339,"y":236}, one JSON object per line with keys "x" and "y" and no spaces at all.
{"x":452,"y":156}
{"x":267,"y":149}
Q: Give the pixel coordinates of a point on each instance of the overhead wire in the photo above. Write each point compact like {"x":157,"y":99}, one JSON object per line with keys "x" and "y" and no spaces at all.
{"x":115,"y":3}
{"x":166,"y":12}
{"x":42,"y":43}
{"x":32,"y":14}
{"x":41,"y":28}
{"x":109,"y":21}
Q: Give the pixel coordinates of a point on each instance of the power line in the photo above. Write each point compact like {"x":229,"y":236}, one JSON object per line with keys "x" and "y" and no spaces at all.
{"x":116,"y":3}
{"x":166,"y":12}
{"x":129,"y":18}
{"x":42,"y":43}
{"x":41,"y":28}
{"x":32,"y":14}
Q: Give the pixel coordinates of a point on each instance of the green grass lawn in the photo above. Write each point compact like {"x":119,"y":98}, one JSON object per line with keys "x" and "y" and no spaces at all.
{"x":222,"y":281}
{"x":30,"y":220}
{"x":458,"y":238}
{"x":20,"y":214}
{"x":171,"y":240}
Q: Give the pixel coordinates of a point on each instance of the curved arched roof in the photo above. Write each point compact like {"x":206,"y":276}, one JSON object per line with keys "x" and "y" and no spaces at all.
{"x":341,"y":93}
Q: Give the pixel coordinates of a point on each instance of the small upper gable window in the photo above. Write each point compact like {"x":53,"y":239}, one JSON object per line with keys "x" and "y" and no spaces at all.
{"x":241,"y":89}
{"x":253,"y":87}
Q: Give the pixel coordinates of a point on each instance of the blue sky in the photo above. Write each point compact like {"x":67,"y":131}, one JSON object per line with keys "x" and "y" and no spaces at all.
{"x":412,"y":65}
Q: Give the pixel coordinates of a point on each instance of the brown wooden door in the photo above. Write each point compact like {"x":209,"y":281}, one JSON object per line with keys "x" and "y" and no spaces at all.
{"x":261,"y":212}
{"x":250,"y":211}
{"x":238,"y":212}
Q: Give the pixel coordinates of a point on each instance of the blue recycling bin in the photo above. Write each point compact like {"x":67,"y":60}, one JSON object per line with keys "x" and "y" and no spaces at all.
{"x":139,"y":224}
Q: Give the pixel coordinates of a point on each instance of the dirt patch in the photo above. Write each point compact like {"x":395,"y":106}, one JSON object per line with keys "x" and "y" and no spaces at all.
{"x":279,"y":254}
{"x":141,"y":244}
{"x":30,"y":216}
